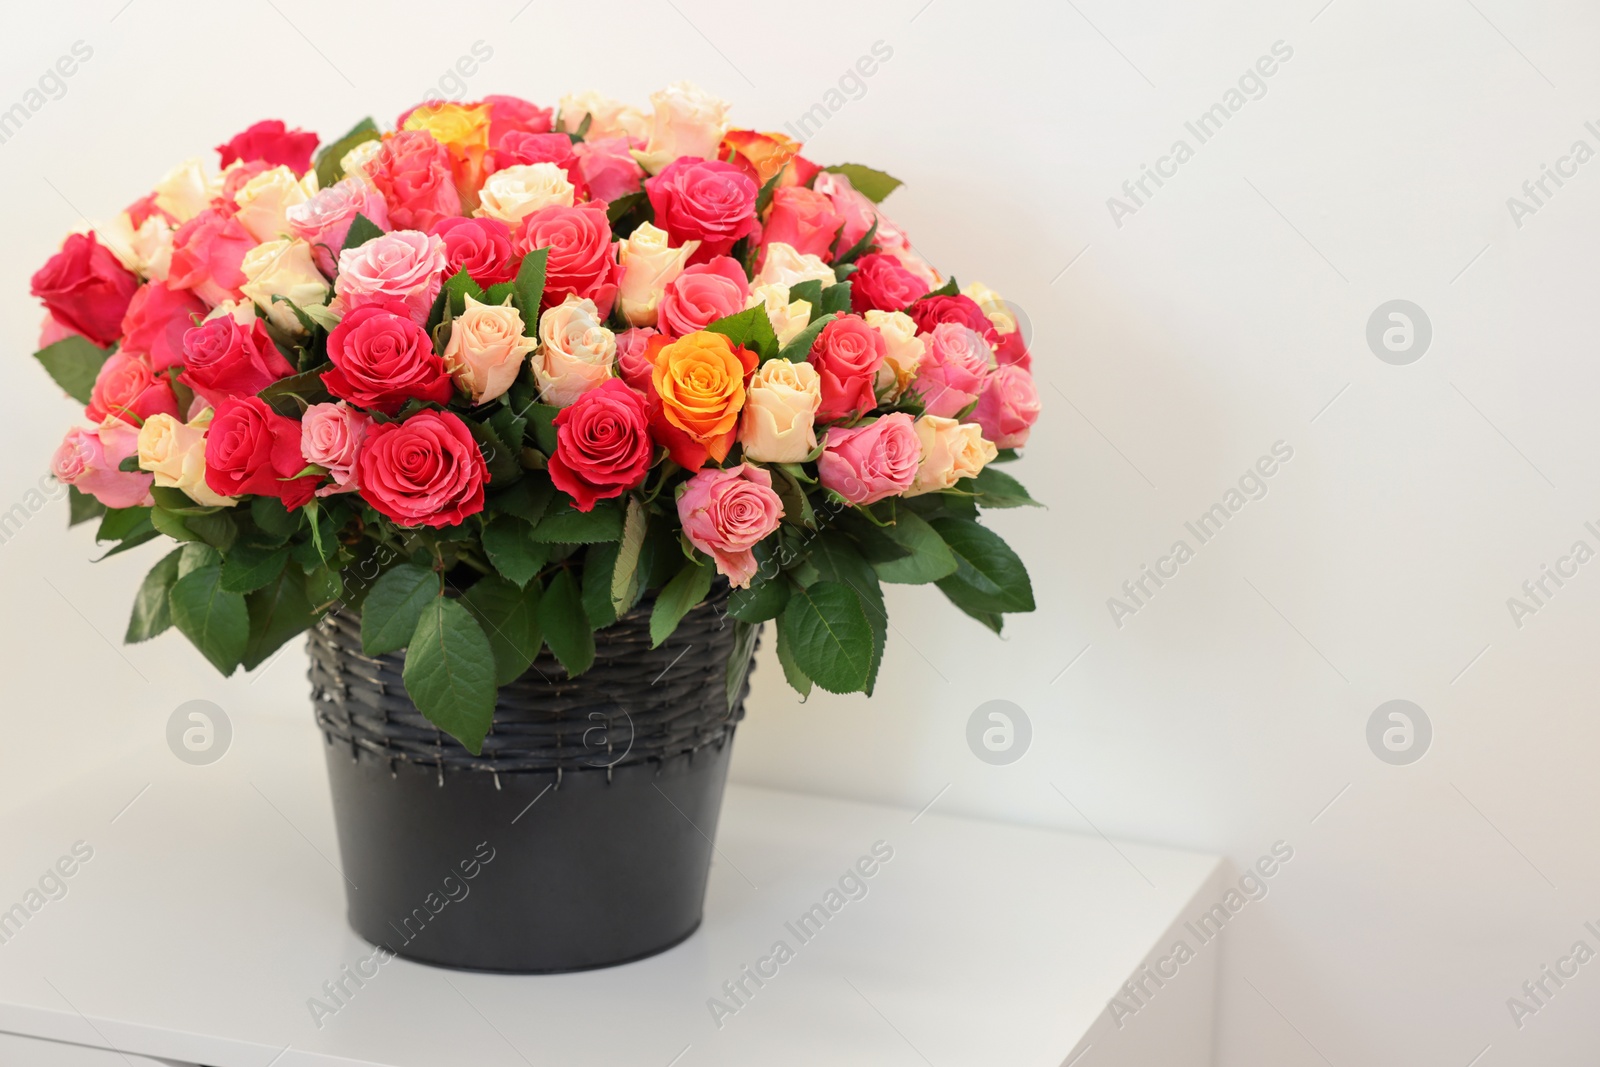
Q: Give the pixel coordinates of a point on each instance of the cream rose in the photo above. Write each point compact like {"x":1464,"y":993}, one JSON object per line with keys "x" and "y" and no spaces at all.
{"x":176,"y":454}
{"x":485,"y":349}
{"x":576,"y":353}
{"x":788,"y":317}
{"x":607,"y":117}
{"x":241,"y":311}
{"x":649,"y":264}
{"x":688,"y":121}
{"x":146,"y":250}
{"x":187,"y":189}
{"x":993,"y":305}
{"x":780,"y":410}
{"x":354,"y":163}
{"x":265,"y":199}
{"x":514,"y":193}
{"x":285,"y":268}
{"x":785,"y":266}
{"x":951,"y":451}
{"x":902,"y":354}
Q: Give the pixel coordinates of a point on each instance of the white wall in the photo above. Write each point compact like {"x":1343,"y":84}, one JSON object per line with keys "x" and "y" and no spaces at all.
{"x":1220,"y":318}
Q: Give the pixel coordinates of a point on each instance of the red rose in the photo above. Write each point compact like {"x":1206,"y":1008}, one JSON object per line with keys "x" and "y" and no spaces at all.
{"x":847,"y":355}
{"x":481,"y":247}
{"x":1012,"y":349}
{"x":518,"y":147}
{"x":804,"y":220}
{"x":509,"y":114}
{"x":273,"y":143}
{"x":603,"y":445}
{"x":128,"y":389}
{"x":156,"y":321}
{"x":207,"y":252}
{"x":582,"y":260}
{"x":426,"y":471}
{"x":704,"y":200}
{"x":252,"y":449}
{"x":930,"y":311}
{"x":223,"y":359}
{"x":86,"y":288}
{"x":880,"y":283}
{"x":381,"y":359}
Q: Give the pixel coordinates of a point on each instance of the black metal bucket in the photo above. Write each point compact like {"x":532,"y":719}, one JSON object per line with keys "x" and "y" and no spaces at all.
{"x":580,"y":838}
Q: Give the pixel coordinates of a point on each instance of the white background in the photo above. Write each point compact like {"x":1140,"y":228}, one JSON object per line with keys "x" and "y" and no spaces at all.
{"x":1227,"y":314}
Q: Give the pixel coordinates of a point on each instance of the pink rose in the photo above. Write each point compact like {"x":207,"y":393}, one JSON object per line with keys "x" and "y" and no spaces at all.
{"x":207,"y":252}
{"x":930,"y":311}
{"x":881,"y":283}
{"x":518,"y":148}
{"x":1008,"y":406}
{"x":406,"y":265}
{"x":847,"y":355}
{"x":953,"y":369}
{"x":1013,"y":350}
{"x":633,"y":364}
{"x":481,"y":247}
{"x":53,"y":329}
{"x":382,"y":359}
{"x":704,"y":200}
{"x":608,"y":168}
{"x":583,"y":259}
{"x":425,"y":471}
{"x":88,"y":460}
{"x":274,"y":144}
{"x":251,"y":449}
{"x":866,"y":463}
{"x":855,"y":211}
{"x":224,"y":359}
{"x":508,"y":114}
{"x":331,"y":436}
{"x":412,"y":172}
{"x":805,"y":220}
{"x":156,"y":321}
{"x":726,"y":513}
{"x":324,"y":220}
{"x":86,"y":287}
{"x":701,"y":295}
{"x":126,"y":388}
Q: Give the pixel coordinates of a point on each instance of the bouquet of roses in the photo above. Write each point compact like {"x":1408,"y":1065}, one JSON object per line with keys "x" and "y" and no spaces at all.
{"x":494,"y":377}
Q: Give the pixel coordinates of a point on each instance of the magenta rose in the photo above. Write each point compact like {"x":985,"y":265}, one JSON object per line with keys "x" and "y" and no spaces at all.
{"x":382,"y":359}
{"x":954,"y":367}
{"x":481,"y":247}
{"x":608,"y":167}
{"x":405,"y":266}
{"x":704,"y":200}
{"x":726,"y":513}
{"x":425,"y":471}
{"x":803,"y":219}
{"x":633,"y":362}
{"x":126,"y":388}
{"x":331,"y":436}
{"x":272,"y":143}
{"x":511,"y":114}
{"x":87,"y":288}
{"x":518,"y":148}
{"x":223,"y":359}
{"x":251,"y":449}
{"x":412,"y":172}
{"x":324,"y":220}
{"x":847,"y":355}
{"x":1008,"y":406}
{"x":864,"y":464}
{"x":701,"y":295}
{"x":603,"y":445}
{"x":882,"y":283}
{"x":90,"y":461}
{"x":583,"y":260}
{"x":156,"y":321}
{"x":930,"y":311}
{"x":206,"y":255}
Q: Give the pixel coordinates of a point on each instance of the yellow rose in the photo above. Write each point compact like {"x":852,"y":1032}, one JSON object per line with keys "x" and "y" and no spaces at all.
{"x":778,"y":424}
{"x":903,"y":351}
{"x":514,"y":193}
{"x":187,"y":190}
{"x":688,"y":121}
{"x":176,"y":455}
{"x":649,"y":263}
{"x":288,"y":269}
{"x":264,"y":199}
{"x":951,"y":451}
{"x":576,"y":352}
{"x":785,"y":266}
{"x":485,"y":349}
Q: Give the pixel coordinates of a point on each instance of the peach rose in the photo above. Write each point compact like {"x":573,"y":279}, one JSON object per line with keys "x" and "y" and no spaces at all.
{"x":902,"y":353}
{"x":688,"y":121}
{"x":649,"y":264}
{"x":779,"y":420}
{"x":576,"y":351}
{"x":486,"y":349}
{"x":951,"y":451}
{"x":176,"y":454}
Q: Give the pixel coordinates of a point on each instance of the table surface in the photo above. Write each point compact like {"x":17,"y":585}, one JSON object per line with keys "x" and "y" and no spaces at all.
{"x":211,"y":913}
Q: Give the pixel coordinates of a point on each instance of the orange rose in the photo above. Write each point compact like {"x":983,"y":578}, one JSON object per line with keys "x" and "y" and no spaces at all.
{"x":461,"y":128}
{"x":699,"y":385}
{"x":761,"y":155}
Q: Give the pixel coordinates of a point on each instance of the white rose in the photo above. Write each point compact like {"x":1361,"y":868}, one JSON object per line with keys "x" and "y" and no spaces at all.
{"x":187,"y":190}
{"x":993,"y":305}
{"x":649,"y":263}
{"x":288,"y":269}
{"x":146,"y":250}
{"x":785,"y":266}
{"x":576,"y":353}
{"x":903,"y":351}
{"x":788,"y":317}
{"x":688,"y":121}
{"x":514,"y":193}
{"x":264,"y":200}
{"x":608,"y":117}
{"x":354,"y":163}
{"x":485,"y":349}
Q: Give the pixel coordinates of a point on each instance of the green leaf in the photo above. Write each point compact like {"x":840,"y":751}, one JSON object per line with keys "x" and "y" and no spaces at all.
{"x":566,"y":626}
{"x":798,"y":680}
{"x":995,"y":488}
{"x":527,"y":499}
{"x":751,"y":328}
{"x":949,"y":288}
{"x":455,"y":290}
{"x":81,"y":507}
{"x":217,"y":530}
{"x":539,"y":421}
{"x":836,"y":299}
{"x":744,"y":643}
{"x":278,"y":611}
{"x":829,"y":636}
{"x":74,"y":362}
{"x":989,"y":576}
{"x":324,"y":584}
{"x":623,"y":204}
{"x":625,"y":573}
{"x":529,"y":285}
{"x":810,"y":291}
{"x":929,"y":558}
{"x":172,"y":525}
{"x":798,"y":349}
{"x":872,"y":184}
{"x":393,"y":606}
{"x":510,"y":619}
{"x":119,"y":523}
{"x":292,"y":395}
{"x":362,"y":230}
{"x":329,"y":160}
{"x":247,"y":568}
{"x":273,"y":519}
{"x":687,"y":588}
{"x":763,"y":600}
{"x":499,"y":457}
{"x":599,"y":567}
{"x":509,"y":543}
{"x":963,"y":597}
{"x":450,"y":670}
{"x":151,"y":614}
{"x":210,"y":616}
{"x":178,"y":502}
{"x":796,"y":504}
{"x":838,"y":561}
{"x":565,"y":525}
{"x":196,"y":555}
{"x":859,"y":249}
